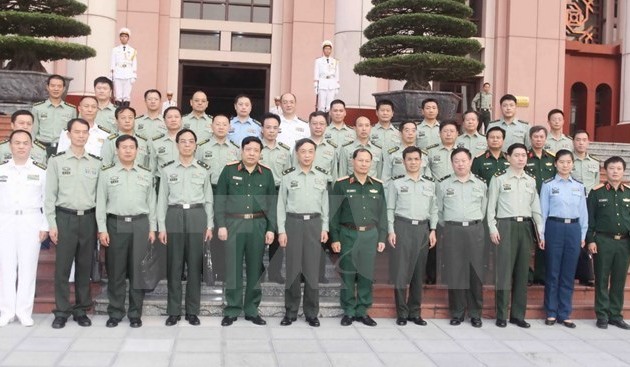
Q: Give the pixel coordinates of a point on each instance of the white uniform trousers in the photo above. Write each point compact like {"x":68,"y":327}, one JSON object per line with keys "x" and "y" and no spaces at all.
{"x":324,"y":97}
{"x":122,"y":89}
{"x":19,"y":255}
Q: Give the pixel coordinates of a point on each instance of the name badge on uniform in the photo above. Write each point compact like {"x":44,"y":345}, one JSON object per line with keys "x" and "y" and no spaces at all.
{"x":375,"y":191}
{"x":140,"y":126}
{"x":398,"y":161}
{"x":4,"y":178}
{"x":32,"y":177}
{"x":487,"y":163}
{"x":251,"y":131}
{"x":548,"y":164}
{"x":626,"y":200}
{"x":602,"y":200}
{"x":436,"y":158}
{"x":114,"y":180}
{"x":351,"y":191}
{"x":299,"y":129}
{"x":507,"y":187}
{"x":173,"y":178}
{"x":294,"y":184}
{"x":420,"y":134}
{"x":161,"y":150}
{"x":237,"y":178}
{"x":404,"y":189}
{"x":555,"y":190}
{"x":547,"y":147}
{"x":328,"y":136}
{"x":207,"y":154}
{"x":66,"y":171}
{"x":450,"y":192}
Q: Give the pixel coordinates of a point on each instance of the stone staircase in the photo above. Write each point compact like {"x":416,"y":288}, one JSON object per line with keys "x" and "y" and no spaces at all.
{"x":603,"y":151}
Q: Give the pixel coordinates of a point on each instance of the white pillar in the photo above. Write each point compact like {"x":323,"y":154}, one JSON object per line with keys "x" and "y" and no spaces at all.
{"x":624,"y":37}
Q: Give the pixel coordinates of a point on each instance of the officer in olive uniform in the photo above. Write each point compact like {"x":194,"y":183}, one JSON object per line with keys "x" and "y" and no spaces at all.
{"x":302,"y":227}
{"x":384,"y":133}
{"x":52,"y":115}
{"x":412,"y":217}
{"x":198,"y":120}
{"x":23,"y":120}
{"x":362,"y":127}
{"x":556,"y":140}
{"x":69,"y":207}
{"x":493,"y":160}
{"x":105,"y":116}
{"x":163,"y":146}
{"x":338,"y":132}
{"x":125,"y":121}
{"x":246,"y":216}
{"x":326,"y":154}
{"x":152,"y":122}
{"x":125,"y":215}
{"x":609,"y":240}
{"x":393,"y":161}
{"x":514,"y":222}
{"x":516,"y":131}
{"x":471,"y":138}
{"x":462,"y":204}
{"x":440,"y":154}
{"x":358,"y":228}
{"x":185,"y":219}
{"x":429,"y":127}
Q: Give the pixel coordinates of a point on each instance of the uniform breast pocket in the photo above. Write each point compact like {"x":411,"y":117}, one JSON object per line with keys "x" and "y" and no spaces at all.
{"x":197,"y":181}
{"x":602,"y":204}
{"x":428,"y":193}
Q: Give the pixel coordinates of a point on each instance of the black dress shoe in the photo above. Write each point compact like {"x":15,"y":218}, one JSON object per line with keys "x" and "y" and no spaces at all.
{"x":501,"y":323}
{"x":455,"y":321}
{"x":256,"y":320}
{"x":602,"y":324}
{"x":192,"y":319}
{"x":82,"y":320}
{"x":313,"y":321}
{"x":417,"y":321}
{"x":228,"y":320}
{"x":286,"y":321}
{"x":569,"y":324}
{"x":476,"y":322}
{"x":619,"y":323}
{"x":401,"y":321}
{"x":366,"y":320}
{"x":112,"y":322}
{"x":59,"y":322}
{"x":346,"y":320}
{"x":550,"y":321}
{"x":135,"y":322}
{"x":520,"y":323}
{"x":172,"y":320}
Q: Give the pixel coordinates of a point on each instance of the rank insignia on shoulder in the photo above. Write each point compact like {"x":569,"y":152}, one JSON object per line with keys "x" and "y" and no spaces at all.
{"x":257,"y":123}
{"x":144,"y":168}
{"x":38,"y":103}
{"x":40,"y":165}
{"x":397,"y":177}
{"x":432,"y":146}
{"x":233,"y":143}
{"x":444,"y":178}
{"x":6,"y":141}
{"x":429,"y":178}
{"x":392,"y":150}
{"x":104,"y":129}
{"x":68,"y":104}
{"x":159,"y":136}
{"x":499,"y":173}
{"x":288,"y":170}
{"x":343,"y":178}
{"x":139,"y":117}
{"x":322,"y":170}
{"x":95,"y":156}
{"x":284,"y":145}
{"x":480,"y":178}
{"x":594,"y":158}
{"x":38,"y":143}
{"x":376,"y":179}
{"x":202,"y":164}
{"x":167,"y":163}
{"x":332,"y":143}
{"x":376,"y":145}
{"x":523,"y":122}
{"x":264,"y":165}
{"x":108,"y":166}
{"x":530,"y":174}
{"x":203,"y":142}
{"x":58,"y":154}
{"x":549,"y":180}
{"x":112,"y":136}
{"x":348,"y":143}
{"x":141,"y":136}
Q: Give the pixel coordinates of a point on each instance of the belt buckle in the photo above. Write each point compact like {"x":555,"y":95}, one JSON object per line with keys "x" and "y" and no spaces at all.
{"x":415,"y":222}
{"x":307,"y":217}
{"x":519,"y":219}
{"x":465,"y":224}
{"x":127,"y":219}
{"x":567,"y":221}
{"x":617,"y":237}
{"x":186,"y":206}
{"x":80,"y":212}
{"x":53,"y":145}
{"x":362,"y":228}
{"x":248,"y":216}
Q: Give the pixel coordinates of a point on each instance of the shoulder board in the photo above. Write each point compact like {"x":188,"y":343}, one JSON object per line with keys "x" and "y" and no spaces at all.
{"x":576,"y":180}
{"x":480,"y":154}
{"x":39,"y":144}
{"x":597,"y":187}
{"x":288,"y":170}
{"x":301,"y":119}
{"x":424,"y":152}
{"x":501,"y":172}
{"x":444,"y":178}
{"x":627,"y":186}
{"x":104,"y":129}
{"x":549,"y":180}
{"x":144,"y":168}
{"x":397,"y":177}
{"x":58,"y":154}
{"x":95,"y":156}
{"x":594,"y":158}
{"x":392,"y":150}
{"x":5,"y":141}
{"x":322,"y":170}
{"x":233,"y":143}
{"x":231,"y":163}
{"x":5,"y":162}
{"x":433,"y":146}
{"x":202,"y":164}
{"x":284,"y":145}
{"x":203,"y":142}
{"x":523,"y":122}
{"x":38,"y":103}
{"x":376,"y":145}
{"x":332,"y":143}
{"x":108,"y":166}
{"x":69,"y":104}
{"x":429,"y":178}
{"x":211,"y":117}
{"x":40,"y":165}
{"x":493,"y":121}
{"x":159,"y":136}
{"x":112,"y":136}
{"x":167,"y":163}
{"x":257,"y":123}
{"x":141,"y":137}
{"x":343,"y":178}
{"x":348,"y":143}
{"x":139,"y":117}
{"x":376,"y":179}
{"x":548,"y":152}
{"x":530,"y":174}
{"x":570,"y":138}
{"x":480,"y":178}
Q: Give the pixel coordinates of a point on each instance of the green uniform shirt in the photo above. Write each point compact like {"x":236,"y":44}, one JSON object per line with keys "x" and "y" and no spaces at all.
{"x":50,"y":120}
{"x":393,"y":164}
{"x":553,"y":145}
{"x":71,"y":183}
{"x":326,"y":159}
{"x":541,"y":167}
{"x":164,"y":150}
{"x":459,"y":201}
{"x":146,"y":126}
{"x":241,"y":192}
{"x":516,"y":132}
{"x":386,"y":138}
{"x":125,"y":192}
{"x":277,"y":159}
{"x":440,"y":160}
{"x":511,"y":195}
{"x":412,"y":199}
{"x":475,"y":143}
{"x":202,"y":126}
{"x":428,"y":135}
{"x":106,"y":118}
{"x":586,"y":171}
{"x":340,"y":136}
{"x":303,"y":193}
{"x":345,"y":158}
{"x":485,"y":165}
{"x":143,"y":156}
{"x":358,"y":204}
{"x":181,"y":185}
{"x":38,"y":152}
{"x":608,"y":211}
{"x":217,"y":155}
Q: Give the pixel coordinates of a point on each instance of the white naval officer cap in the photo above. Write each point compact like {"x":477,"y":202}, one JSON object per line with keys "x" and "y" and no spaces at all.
{"x":327,"y":43}
{"x":125,"y":30}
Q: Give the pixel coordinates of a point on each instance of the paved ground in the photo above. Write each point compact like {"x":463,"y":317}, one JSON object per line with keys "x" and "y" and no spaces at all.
{"x":245,"y":344}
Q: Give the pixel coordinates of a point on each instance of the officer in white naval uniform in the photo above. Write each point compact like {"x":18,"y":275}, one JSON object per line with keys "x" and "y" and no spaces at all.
{"x":326,"y":77}
{"x":22,"y":228}
{"x":124,"y":67}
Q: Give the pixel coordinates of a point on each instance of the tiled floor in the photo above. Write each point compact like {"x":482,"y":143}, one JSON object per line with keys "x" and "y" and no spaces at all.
{"x":244,"y":344}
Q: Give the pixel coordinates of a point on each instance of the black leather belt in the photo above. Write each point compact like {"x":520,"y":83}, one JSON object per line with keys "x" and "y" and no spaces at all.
{"x":76,"y":212}
{"x":517,"y":219}
{"x":485,"y":109}
{"x":246,"y":215}
{"x":305,"y":216}
{"x":358,"y":228}
{"x":564,"y":220}
{"x":51,"y":145}
{"x":127,"y":218}
{"x":186,"y":206}
{"x":614,"y":236}
{"x":463,"y":224}
{"x":414,"y":222}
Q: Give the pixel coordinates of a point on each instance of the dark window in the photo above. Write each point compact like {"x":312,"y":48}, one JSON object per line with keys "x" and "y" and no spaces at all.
{"x":256,"y":11}
{"x":603,"y":105}
{"x":199,"y":40}
{"x":477,"y":16}
{"x":578,"y":108}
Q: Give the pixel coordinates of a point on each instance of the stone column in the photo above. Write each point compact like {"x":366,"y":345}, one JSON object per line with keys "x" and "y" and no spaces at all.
{"x":624,"y":37}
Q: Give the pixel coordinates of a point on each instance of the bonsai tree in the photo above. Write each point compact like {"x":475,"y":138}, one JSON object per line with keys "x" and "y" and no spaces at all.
{"x":29,"y":28}
{"x":419,"y":41}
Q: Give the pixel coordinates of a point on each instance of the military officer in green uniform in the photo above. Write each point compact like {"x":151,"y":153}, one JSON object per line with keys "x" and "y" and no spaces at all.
{"x":185,"y":219}
{"x":471,"y":138}
{"x":608,"y":240}
{"x":198,"y":121}
{"x":493,"y":160}
{"x":384,"y":133}
{"x":152,"y":122}
{"x":302,"y":227}
{"x":105,"y":115}
{"x":586,"y":167}
{"x":516,"y":131}
{"x":429,"y":127}
{"x":163,"y":146}
{"x":52,"y":115}
{"x":412,"y":217}
{"x":462,"y":204}
{"x":69,"y":207}
{"x":125,"y":215}
{"x":245,"y":210}
{"x":125,"y":121}
{"x":514,"y":222}
{"x":338,"y":132}
{"x":358,"y":228}
{"x":393,"y":160}
{"x":556,"y":139}
{"x":440,"y":154}
{"x":326,"y":154}
{"x":362,"y":128}
{"x":23,"y":120}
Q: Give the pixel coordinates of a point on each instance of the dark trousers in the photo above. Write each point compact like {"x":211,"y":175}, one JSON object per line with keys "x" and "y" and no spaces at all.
{"x":217,"y":250}
{"x":484,"y":119}
{"x":276,"y":257}
{"x":246,"y":239}
{"x":512,"y":264}
{"x":611,"y":267}
{"x":539,"y":265}
{"x":76,"y":242}
{"x":409,"y":258}
{"x":584,"y":271}
{"x":185,"y":229}
{"x":303,"y":252}
{"x":562,"y":249}
{"x":358,"y":251}
{"x":127,"y":245}
{"x":463,"y":254}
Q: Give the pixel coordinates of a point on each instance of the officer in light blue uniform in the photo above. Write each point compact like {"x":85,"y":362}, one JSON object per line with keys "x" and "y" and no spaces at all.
{"x":243,"y":125}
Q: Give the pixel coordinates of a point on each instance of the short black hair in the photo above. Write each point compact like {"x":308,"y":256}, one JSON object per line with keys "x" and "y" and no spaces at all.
{"x":615,"y":159}
{"x":317,"y":113}
{"x":58,"y":77}
{"x":337,"y":101}
{"x":303,"y":141}
{"x":152,"y":91}
{"x":104,"y":80}
{"x":184,"y":131}
{"x":239,"y":96}
{"x":356,"y":152}
{"x":171,"y":108}
{"x":17,"y":113}
{"x":385,"y":102}
{"x":124,"y":138}
{"x":495,"y":128}
{"x":534,"y":129}
{"x":401,"y":126}
{"x":120,"y":109}
{"x":269,"y":115}
{"x":553,"y":112}
{"x":410,"y":150}
{"x":14,"y":132}
{"x":460,"y":150}
{"x":221,"y":115}
{"x":79,"y":121}
{"x":251,"y":139}
{"x":427,"y":100}
{"x":446,"y":123}
{"x":507,"y":97}
{"x":563,"y":152}
{"x":581,"y":132}
{"x":470,"y":111}
{"x":514,"y":146}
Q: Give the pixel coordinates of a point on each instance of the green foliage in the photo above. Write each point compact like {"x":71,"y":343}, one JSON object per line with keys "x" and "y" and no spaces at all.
{"x":419,"y":41}
{"x":25,"y":23}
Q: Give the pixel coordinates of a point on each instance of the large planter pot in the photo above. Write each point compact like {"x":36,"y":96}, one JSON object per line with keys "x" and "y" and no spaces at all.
{"x":407,"y":104}
{"x":21,"y":89}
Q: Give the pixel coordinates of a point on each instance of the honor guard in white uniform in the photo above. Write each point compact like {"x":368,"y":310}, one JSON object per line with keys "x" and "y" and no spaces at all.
{"x":292,"y":128}
{"x":98,"y":134}
{"x":326,"y":77}
{"x":124,"y":67}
